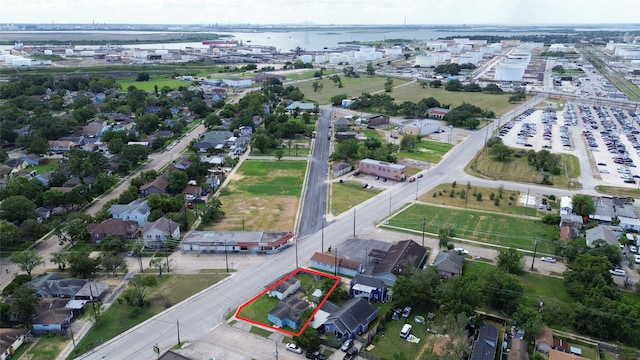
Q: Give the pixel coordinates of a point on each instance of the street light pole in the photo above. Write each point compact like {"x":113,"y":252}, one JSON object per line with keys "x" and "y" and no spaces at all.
{"x":450,"y":133}
{"x":424,"y":220}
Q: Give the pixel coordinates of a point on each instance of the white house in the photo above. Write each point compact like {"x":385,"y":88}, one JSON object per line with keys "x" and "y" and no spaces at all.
{"x":155,"y":233}
{"x":137,"y":210}
{"x":566,"y":205}
{"x":238,"y":83}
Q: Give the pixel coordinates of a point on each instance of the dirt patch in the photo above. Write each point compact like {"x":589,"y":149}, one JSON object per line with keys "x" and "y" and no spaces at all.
{"x":267,"y":213}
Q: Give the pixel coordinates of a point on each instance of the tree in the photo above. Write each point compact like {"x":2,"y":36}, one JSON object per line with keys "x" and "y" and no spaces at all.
{"x":17,"y":208}
{"x":143,"y":76}
{"x":417,"y":288}
{"x":371,"y":70}
{"x":558,"y":69}
{"x":148,"y":123}
{"x":73,"y":230}
{"x":460,"y":295}
{"x":510,"y":260}
{"x":279,"y":153}
{"x":529,"y":320}
{"x":135,"y":295}
{"x":81,"y":264}
{"x":308,"y":339}
{"x":317,"y":86}
{"x":8,"y":234}
{"x":111,"y":263}
{"x":111,"y":244}
{"x":500,"y":152}
{"x":453,"y":85}
{"x":24,"y":305}
{"x":409,"y":142}
{"x":435,"y":84}
{"x":60,"y":258}
{"x":583,"y":205}
{"x":178,"y":180}
{"x":212,"y":212}
{"x":503,"y":290}
{"x":38,"y":145}
{"x":27,"y":260}
{"x":445,"y":235}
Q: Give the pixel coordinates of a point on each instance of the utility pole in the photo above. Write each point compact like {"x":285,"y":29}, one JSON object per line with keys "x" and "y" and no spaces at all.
{"x":526,"y":203}
{"x":535,"y":249}
{"x":354,"y":222}
{"x":296,"y":253}
{"x":226,"y":257}
{"x":178,"y":327}
{"x":417,"y":182}
{"x":322,"y":239}
{"x":389,"y":203}
{"x":335,"y":262}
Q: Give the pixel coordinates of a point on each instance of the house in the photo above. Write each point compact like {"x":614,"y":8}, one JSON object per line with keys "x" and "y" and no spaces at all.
{"x":449,"y":264}
{"x":300,"y":106}
{"x":54,"y":285}
{"x":255,"y":242}
{"x":345,"y":135}
{"x":437,"y":113}
{"x":518,"y":350}
{"x":170,"y":355}
{"x":390,"y":265}
{"x":375,"y":120}
{"x":137,"y":210}
{"x":566,"y":205}
{"x":287,"y":312}
{"x":284,"y":288}
{"x":52,"y":316}
{"x":352,"y":319}
{"x":60,"y":146}
{"x":192,"y":192}
{"x":601,"y":233}
{"x":391,"y":171}
{"x":124,"y":230}
{"x":10,"y":341}
{"x":544,"y":340}
{"x":486,"y":344}
{"x":342,"y":123}
{"x":43,"y":214}
{"x":341,"y":168}
{"x":336,"y":264}
{"x":33,"y":159}
{"x":155,"y":233}
{"x":368,"y":287}
{"x":157,"y":186}
{"x":570,"y":225}
{"x":92,"y":129}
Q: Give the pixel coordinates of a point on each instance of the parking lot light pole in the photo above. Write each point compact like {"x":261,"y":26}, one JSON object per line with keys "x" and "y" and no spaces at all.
{"x":450,"y":133}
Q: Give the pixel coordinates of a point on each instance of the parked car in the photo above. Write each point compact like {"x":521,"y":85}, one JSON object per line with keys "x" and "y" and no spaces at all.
{"x":618,"y":272}
{"x":406,"y":312}
{"x":633,"y":249}
{"x":188,"y":205}
{"x":351,"y":354}
{"x":420,"y":175}
{"x":548,"y":259}
{"x":412,"y":179}
{"x":294,"y":348}
{"x":364,"y":186}
{"x":461,"y":251}
{"x":637,"y":258}
{"x":346,"y":345}
{"x":396,"y":315}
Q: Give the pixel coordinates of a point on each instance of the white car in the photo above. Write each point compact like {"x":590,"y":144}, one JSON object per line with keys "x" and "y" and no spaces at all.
{"x":294,"y":348}
{"x":617,"y":272}
{"x":461,"y":251}
{"x":633,"y":249}
{"x":637,"y":257}
{"x":548,"y":259}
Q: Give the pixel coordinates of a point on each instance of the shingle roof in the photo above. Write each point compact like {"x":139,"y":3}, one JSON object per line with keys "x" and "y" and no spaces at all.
{"x":164,"y":225}
{"x":139,"y":205}
{"x":341,"y":261}
{"x":451,"y":262}
{"x":484,"y":348}
{"x":403,"y":250}
{"x":355,"y":312}
{"x":160,"y":183}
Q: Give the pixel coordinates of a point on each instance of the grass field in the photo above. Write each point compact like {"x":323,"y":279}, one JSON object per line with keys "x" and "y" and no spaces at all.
{"x":353,"y":87}
{"x":349,"y":194}
{"x":499,"y":104}
{"x":518,"y":170}
{"x":508,"y":204}
{"x":262,"y":195}
{"x":618,"y":191}
{"x":149,"y":85}
{"x":171,"y":290}
{"x":486,"y":227}
{"x":45,"y":348}
{"x":427,"y":151}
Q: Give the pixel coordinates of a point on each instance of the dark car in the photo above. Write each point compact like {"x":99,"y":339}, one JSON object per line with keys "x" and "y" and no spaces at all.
{"x":351,"y":354}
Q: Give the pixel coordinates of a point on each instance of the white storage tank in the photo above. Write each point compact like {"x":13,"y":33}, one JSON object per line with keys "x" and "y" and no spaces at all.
{"x":334,"y":59}
{"x":48,"y":52}
{"x":20,"y":62}
{"x":87,"y":53}
{"x":68,"y":51}
{"x":140,"y":54}
{"x":426,"y":60}
{"x":162,"y":52}
{"x":306,"y":59}
{"x":367,"y":49}
{"x":377,"y":55}
{"x":321,"y":59}
{"x":393,"y":51}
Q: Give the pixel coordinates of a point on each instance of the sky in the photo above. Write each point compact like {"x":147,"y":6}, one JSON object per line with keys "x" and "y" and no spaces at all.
{"x":322,"y":12}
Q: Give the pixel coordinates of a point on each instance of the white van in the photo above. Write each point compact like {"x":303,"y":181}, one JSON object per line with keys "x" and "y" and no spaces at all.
{"x":406,"y":330}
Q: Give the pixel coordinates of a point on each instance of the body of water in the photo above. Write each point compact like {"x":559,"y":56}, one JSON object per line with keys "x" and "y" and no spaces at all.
{"x":312,"y":40}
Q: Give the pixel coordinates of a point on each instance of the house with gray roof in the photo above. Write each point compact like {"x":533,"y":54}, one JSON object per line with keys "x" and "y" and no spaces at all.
{"x":352,"y":319}
{"x":368,"y":287}
{"x":285,"y":288}
{"x":601,"y":233}
{"x":392,"y":263}
{"x":155,"y":233}
{"x":287,"y":312}
{"x":486,"y":344}
{"x":449,"y":264}
{"x":137,"y":210}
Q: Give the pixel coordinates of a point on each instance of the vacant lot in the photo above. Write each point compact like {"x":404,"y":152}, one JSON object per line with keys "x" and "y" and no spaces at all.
{"x":499,"y":104}
{"x":487,"y":227}
{"x":262,"y":195}
{"x":150,"y":85}
{"x":518,"y":170}
{"x":353,"y":87}
{"x":427,"y":151}
{"x":349,"y":194}
{"x":480,"y":198}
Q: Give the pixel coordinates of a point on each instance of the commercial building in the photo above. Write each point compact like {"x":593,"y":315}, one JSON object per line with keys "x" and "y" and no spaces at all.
{"x":236,"y":241}
{"x":391,"y":171}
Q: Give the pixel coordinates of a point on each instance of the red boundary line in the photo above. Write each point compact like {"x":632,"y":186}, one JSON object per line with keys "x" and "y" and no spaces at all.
{"x":293,"y":273}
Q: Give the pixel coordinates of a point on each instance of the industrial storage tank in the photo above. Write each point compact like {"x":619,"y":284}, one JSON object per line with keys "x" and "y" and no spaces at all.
{"x":162,"y":52}
{"x":509,"y":72}
{"x":425,"y":60}
{"x":68,"y":51}
{"x":321,"y":59}
{"x":306,"y":59}
{"x":334,"y":59}
{"x":395,"y":50}
{"x":48,"y":52}
{"x":140,"y":54}
{"x":87,"y":53}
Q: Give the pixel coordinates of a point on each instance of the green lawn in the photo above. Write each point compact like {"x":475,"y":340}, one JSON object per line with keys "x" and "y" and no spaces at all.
{"x":427,"y":150}
{"x":171,"y":290}
{"x":499,"y":104}
{"x":262,"y":177}
{"x":46,"y":347}
{"x":480,"y":226}
{"x":349,"y":194}
{"x":260,"y":331}
{"x":258,"y":309}
{"x":155,"y":80}
{"x":353,"y":87}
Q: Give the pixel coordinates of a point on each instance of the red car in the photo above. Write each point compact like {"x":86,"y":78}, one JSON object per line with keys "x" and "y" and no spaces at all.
{"x":412,"y":179}
{"x":188,"y":205}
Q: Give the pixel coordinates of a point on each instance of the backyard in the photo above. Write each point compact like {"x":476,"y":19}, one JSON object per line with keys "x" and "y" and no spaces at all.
{"x":262,"y":195}
{"x":481,"y":226}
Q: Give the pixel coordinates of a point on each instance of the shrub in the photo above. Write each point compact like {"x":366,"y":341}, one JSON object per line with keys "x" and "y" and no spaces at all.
{"x":479,"y":196}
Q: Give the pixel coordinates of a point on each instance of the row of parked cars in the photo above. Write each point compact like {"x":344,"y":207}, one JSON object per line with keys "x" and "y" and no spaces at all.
{"x":351,"y":352}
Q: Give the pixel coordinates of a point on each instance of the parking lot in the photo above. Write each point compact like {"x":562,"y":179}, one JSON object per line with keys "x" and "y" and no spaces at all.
{"x":610,"y":136}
